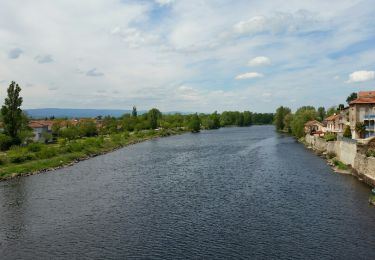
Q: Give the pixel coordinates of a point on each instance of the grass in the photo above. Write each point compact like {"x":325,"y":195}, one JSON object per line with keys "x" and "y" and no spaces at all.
{"x":340,"y":165}
{"x":39,"y":157}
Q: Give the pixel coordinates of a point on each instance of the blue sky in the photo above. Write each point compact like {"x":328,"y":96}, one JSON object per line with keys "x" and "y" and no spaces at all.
{"x":187,"y":55}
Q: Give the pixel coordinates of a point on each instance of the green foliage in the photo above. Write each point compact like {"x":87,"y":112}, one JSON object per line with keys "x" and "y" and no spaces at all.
{"x":331,"y":111}
{"x":279,"y":119}
{"x":5,"y":142}
{"x":347,"y":132}
{"x":330,"y":137}
{"x":195,"y":123}
{"x":11,"y":112}
{"x":34,"y":147}
{"x":47,"y":152}
{"x":302,"y":115}
{"x":360,"y":128}
{"x":340,"y":165}
{"x":69,"y":133}
{"x":134,"y":112}
{"x":18,"y":154}
{"x":351,"y":97}
{"x":87,"y":128}
{"x":321,"y":113}
{"x":153,"y":116}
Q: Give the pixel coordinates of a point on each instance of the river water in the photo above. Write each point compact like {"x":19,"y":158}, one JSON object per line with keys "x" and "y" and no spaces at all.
{"x":233,"y":193}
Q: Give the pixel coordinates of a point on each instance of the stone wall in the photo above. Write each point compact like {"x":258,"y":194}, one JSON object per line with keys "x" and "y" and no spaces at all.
{"x":349,"y":153}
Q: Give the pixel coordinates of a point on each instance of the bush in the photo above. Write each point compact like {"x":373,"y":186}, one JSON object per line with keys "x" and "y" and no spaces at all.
{"x":46,"y":153}
{"x":330,"y":137}
{"x":73,"y":146}
{"x":34,"y":147}
{"x":347,"y":132}
{"x":3,"y":159}
{"x":17,"y":155}
{"x":340,"y":165}
{"x":5,"y":142}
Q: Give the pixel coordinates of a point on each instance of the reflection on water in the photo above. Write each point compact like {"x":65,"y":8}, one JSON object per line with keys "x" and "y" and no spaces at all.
{"x":232,"y":193}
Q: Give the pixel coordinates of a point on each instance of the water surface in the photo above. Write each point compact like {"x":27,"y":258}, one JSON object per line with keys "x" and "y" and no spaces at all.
{"x":234,"y":193}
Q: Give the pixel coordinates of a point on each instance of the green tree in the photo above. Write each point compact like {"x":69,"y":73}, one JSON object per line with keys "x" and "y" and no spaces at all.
{"x":332,"y":110}
{"x":360,"y":128}
{"x":12,"y":113}
{"x":288,"y":123}
{"x":302,"y":115}
{"x":347,"y":132}
{"x":341,"y":107}
{"x":134,"y":112}
{"x":195,"y":123}
{"x":321,"y":113}
{"x":351,"y":97}
{"x":281,"y":112}
{"x":153,"y":116}
{"x":247,"y":118}
{"x":213,"y":121}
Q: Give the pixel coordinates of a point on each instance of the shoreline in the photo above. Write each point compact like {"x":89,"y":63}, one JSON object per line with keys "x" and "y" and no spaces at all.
{"x":79,"y":157}
{"x":335,"y":161}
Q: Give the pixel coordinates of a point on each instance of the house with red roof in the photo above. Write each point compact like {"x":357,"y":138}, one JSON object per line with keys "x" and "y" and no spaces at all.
{"x":362,"y":109}
{"x":41,"y":129}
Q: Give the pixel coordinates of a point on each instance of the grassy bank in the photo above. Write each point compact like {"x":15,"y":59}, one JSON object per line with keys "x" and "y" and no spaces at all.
{"x":37,"y":158}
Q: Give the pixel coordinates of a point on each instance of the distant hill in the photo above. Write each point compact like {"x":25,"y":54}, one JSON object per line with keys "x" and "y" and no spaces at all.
{"x":81,"y":113}
{"x":75,"y":113}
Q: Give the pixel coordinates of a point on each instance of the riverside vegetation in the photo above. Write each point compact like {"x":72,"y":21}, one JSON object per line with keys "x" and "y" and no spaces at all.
{"x":69,"y":142}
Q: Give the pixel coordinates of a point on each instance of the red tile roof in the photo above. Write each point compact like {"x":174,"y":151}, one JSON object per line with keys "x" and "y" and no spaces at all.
{"x":366,"y":94}
{"x":363,"y":100}
{"x":331,"y":118}
{"x":313,"y":122}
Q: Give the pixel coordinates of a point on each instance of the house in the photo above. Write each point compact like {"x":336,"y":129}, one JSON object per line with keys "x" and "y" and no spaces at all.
{"x":41,"y":129}
{"x":314,"y":127}
{"x":337,"y":123}
{"x":362,"y":110}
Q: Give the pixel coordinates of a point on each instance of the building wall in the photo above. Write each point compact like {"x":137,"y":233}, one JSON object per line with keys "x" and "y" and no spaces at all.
{"x":348,"y":153}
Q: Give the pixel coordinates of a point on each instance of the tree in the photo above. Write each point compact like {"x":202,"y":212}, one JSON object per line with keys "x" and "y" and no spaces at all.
{"x":341,"y":107}
{"x":360,"y":128}
{"x":347,"y":132}
{"x":195,"y":123}
{"x":288,"y":122}
{"x":213,"y":121}
{"x":321,"y":113}
{"x":281,"y":112}
{"x":247,"y":118}
{"x":302,"y":115}
{"x":153,"y":116}
{"x":12,"y":113}
{"x":134,"y":112}
{"x":351,"y":97}
{"x":332,"y":110}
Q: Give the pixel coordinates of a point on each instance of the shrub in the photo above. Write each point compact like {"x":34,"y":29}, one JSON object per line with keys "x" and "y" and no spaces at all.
{"x":46,"y":152}
{"x":17,"y":155}
{"x":74,"y":146}
{"x":340,"y":165}
{"x":330,"y":137}
{"x":3,"y":159}
{"x":34,"y":147}
{"x":347,"y":132}
{"x":5,"y":142}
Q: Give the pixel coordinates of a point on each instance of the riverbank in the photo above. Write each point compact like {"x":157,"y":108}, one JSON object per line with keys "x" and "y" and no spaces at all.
{"x":345,"y":156}
{"x":43,"y":158}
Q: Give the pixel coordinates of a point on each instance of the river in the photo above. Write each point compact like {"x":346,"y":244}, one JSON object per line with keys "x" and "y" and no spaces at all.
{"x":233,"y":193}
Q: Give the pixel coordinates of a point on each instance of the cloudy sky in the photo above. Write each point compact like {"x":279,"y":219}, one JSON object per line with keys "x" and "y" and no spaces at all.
{"x":187,"y":55}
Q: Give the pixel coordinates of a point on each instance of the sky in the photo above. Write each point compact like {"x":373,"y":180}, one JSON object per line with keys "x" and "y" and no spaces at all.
{"x":187,"y":55}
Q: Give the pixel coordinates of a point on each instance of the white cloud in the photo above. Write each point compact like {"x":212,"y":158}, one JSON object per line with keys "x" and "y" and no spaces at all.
{"x":361,"y":76}
{"x":280,"y":22}
{"x":164,"y":2}
{"x":250,"y":75}
{"x":260,"y":61}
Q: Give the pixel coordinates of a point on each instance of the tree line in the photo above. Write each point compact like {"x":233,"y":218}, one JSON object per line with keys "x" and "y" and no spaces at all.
{"x":16,"y":130}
